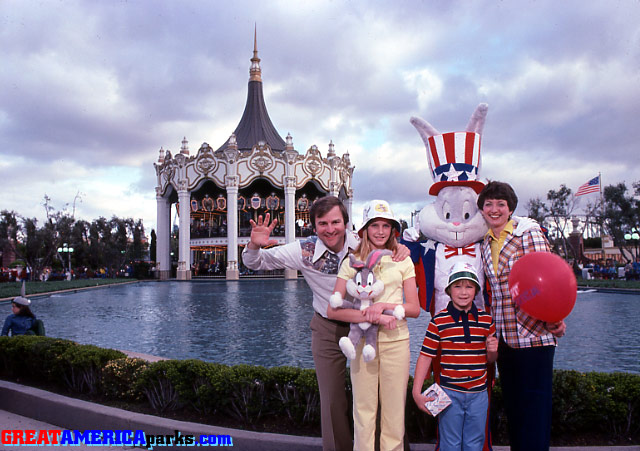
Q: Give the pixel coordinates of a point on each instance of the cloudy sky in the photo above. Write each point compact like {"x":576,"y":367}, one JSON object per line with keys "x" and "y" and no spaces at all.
{"x":90,"y":91}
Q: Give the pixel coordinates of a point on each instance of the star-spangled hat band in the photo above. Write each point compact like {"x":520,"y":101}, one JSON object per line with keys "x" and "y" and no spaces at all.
{"x":454,"y":159}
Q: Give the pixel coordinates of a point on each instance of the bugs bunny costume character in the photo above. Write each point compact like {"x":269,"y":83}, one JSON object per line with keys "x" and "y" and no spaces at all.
{"x":450,"y":229}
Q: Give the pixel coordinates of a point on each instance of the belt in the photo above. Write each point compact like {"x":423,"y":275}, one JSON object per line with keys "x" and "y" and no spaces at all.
{"x":334,"y":321}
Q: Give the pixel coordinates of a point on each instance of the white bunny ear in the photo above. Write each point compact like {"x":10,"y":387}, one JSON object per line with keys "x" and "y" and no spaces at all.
{"x":425,"y":129}
{"x":476,"y":123}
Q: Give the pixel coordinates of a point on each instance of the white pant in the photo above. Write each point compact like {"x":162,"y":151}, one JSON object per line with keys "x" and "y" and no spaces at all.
{"x":388,"y":373}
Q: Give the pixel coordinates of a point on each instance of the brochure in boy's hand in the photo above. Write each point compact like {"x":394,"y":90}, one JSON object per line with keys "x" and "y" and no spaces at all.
{"x":440,"y":402}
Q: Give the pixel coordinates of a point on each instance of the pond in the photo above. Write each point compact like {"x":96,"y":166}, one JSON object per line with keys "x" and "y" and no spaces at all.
{"x":266,"y":322}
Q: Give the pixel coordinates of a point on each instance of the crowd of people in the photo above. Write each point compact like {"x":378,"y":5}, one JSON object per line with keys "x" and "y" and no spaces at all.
{"x":609,"y":269}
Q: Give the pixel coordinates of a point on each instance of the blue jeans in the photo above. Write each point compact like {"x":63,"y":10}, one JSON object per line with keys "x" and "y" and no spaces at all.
{"x":461,"y":425}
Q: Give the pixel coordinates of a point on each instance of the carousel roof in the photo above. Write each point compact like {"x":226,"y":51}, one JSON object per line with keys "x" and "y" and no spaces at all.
{"x":255,"y":124}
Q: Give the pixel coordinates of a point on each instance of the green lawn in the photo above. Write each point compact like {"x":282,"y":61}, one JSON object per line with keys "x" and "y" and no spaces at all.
{"x":615,"y":283}
{"x":12,"y":289}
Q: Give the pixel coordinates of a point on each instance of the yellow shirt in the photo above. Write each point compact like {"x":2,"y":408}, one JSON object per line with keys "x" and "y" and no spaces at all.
{"x":497,"y":243}
{"x":392,"y":274}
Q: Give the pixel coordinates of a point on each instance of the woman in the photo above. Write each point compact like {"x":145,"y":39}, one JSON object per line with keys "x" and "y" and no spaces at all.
{"x":21,"y":320}
{"x":386,"y":376}
{"x":526,"y":345}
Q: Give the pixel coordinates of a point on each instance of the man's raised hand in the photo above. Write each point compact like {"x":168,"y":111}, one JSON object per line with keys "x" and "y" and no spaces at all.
{"x":261,"y":232}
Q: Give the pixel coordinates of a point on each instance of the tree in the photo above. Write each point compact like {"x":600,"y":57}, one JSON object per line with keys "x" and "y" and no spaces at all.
{"x":139,"y":248}
{"x":622,"y":216}
{"x":36,"y":246}
{"x":9,"y":229}
{"x":561,"y":205}
{"x":538,"y":210}
{"x":80,"y":242}
{"x":119,"y":249}
{"x":555,"y":214}
{"x":99,"y":244}
{"x":594,"y":217}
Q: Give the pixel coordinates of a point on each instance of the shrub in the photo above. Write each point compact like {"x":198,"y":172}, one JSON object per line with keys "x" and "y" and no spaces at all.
{"x":295,"y":394}
{"x":309,"y":405}
{"x":247,"y":392}
{"x":62,"y":362}
{"x":605,"y":405}
{"x":81,"y":366}
{"x":201,"y":385}
{"x":156,"y":385}
{"x":118,"y":379}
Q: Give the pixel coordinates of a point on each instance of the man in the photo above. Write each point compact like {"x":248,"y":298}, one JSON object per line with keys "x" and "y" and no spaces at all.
{"x":318,"y":257}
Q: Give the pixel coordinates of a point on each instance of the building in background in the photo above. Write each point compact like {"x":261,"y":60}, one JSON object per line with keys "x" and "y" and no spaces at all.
{"x":217,"y":192}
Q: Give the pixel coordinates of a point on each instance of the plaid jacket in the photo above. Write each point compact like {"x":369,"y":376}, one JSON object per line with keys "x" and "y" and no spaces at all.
{"x":517,"y":329}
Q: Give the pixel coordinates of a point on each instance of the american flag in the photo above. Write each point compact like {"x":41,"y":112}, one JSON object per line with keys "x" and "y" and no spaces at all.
{"x":592,"y":186}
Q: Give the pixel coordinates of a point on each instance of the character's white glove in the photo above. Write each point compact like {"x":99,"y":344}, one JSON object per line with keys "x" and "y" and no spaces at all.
{"x":411,"y":234}
{"x":524,"y":224}
{"x":336,"y":300}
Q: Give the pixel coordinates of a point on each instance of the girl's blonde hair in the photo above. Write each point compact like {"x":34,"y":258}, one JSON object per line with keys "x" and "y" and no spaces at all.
{"x":365,"y":246}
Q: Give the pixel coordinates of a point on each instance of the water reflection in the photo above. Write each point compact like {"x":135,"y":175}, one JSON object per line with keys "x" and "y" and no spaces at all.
{"x":266,"y":322}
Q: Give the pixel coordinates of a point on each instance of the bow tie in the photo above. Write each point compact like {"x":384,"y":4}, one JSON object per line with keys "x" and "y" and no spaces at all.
{"x":450,"y":251}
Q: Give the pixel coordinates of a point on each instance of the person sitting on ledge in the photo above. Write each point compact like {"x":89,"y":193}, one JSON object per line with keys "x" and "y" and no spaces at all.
{"x":21,"y":320}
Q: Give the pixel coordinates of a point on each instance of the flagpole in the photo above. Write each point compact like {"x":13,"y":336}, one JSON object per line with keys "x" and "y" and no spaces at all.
{"x":601,"y":206}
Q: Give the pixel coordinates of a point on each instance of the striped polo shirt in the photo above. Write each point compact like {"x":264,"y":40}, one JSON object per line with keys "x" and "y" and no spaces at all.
{"x":461,"y":337}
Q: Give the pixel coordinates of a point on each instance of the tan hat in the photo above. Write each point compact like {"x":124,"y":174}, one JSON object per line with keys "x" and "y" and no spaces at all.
{"x":378,"y":209}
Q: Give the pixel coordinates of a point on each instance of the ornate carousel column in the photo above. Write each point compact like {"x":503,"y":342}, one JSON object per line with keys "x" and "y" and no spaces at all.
{"x":231,"y":182}
{"x":184,"y":243}
{"x":347,"y":178}
{"x":348,"y":202}
{"x":163,"y":262}
{"x":334,"y":161}
{"x":290,"y":201}
{"x":232,"y":227}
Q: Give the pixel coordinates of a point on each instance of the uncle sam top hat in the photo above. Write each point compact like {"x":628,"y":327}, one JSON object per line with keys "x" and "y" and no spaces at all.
{"x":454,"y":158}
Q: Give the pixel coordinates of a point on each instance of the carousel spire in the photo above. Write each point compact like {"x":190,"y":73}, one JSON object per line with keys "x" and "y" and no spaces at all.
{"x":255,"y":72}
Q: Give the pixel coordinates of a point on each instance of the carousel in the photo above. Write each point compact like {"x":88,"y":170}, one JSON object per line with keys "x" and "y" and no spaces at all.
{"x":216,"y":192}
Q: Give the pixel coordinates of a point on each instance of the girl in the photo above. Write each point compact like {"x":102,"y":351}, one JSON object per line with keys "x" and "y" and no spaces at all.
{"x":388,"y":373}
{"x":21,"y":320}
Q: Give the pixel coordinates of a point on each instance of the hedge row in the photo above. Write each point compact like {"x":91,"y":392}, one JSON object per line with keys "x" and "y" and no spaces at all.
{"x":600,"y":405}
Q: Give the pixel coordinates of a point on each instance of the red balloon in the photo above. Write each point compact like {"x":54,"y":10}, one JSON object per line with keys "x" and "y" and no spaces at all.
{"x":543,"y":285}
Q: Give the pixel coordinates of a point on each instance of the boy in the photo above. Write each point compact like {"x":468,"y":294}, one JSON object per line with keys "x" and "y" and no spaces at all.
{"x":466,"y":338}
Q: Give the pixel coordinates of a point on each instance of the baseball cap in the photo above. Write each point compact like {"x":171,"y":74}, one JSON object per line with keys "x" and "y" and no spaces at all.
{"x":462,"y":271}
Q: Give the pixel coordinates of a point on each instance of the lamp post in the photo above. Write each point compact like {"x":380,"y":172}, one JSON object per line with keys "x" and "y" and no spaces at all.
{"x":68,"y":250}
{"x":633,"y":236}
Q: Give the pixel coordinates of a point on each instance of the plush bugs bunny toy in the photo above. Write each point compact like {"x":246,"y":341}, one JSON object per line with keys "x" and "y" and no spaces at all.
{"x":365,"y":288}
{"x":449,"y":230}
